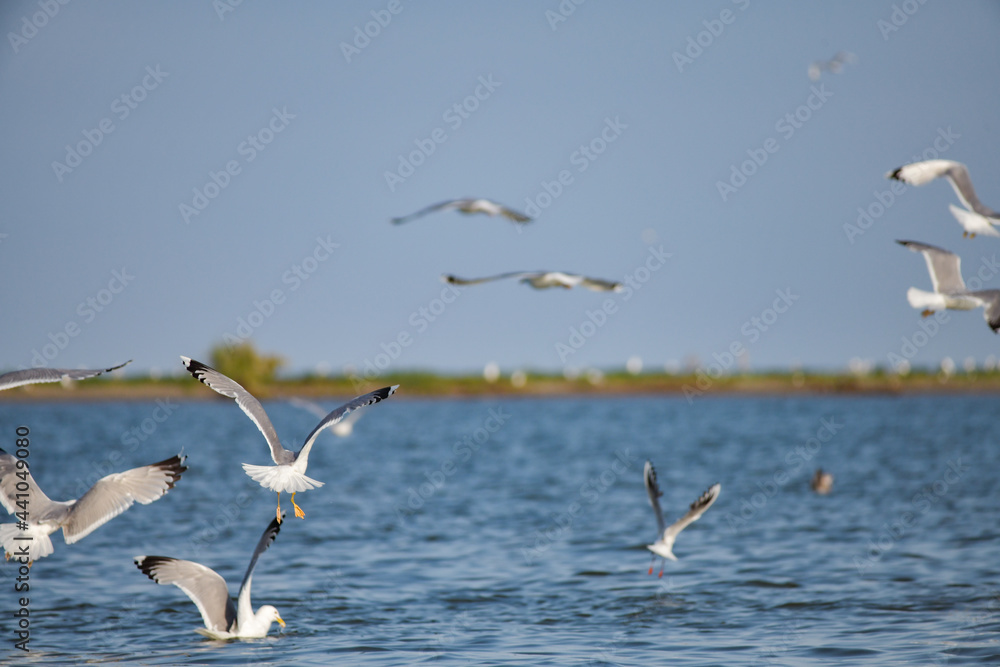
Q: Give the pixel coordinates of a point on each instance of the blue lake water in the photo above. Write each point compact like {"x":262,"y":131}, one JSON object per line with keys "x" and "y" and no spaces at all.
{"x":512,"y":532}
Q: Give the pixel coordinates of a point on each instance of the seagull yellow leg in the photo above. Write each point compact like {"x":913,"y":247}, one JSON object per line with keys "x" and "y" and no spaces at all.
{"x":972,"y":235}
{"x":965,"y":235}
{"x":927,"y":313}
{"x":279,"y":507}
{"x":298,"y":510}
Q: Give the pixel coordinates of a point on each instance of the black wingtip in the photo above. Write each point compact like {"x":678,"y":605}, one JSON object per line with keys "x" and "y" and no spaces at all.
{"x":147,"y":564}
{"x":894,"y":174}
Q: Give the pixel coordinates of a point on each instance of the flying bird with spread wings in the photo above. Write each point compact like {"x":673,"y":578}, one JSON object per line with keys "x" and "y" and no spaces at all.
{"x":664,"y":545}
{"x":543,"y":280}
{"x":468,"y":206}
{"x":976,"y":218}
{"x":949,"y":288}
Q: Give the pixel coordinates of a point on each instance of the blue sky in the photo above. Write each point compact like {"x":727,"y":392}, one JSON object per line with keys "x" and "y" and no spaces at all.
{"x":172,"y":170}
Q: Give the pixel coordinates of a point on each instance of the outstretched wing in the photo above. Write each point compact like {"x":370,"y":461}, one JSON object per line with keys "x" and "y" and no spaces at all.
{"x":598,"y":285}
{"x":206,"y":588}
{"x":244,"y":608}
{"x":33,"y":375}
{"x":250,"y":405}
{"x":451,"y":203}
{"x":654,"y":493}
{"x":455,"y":280}
{"x":343,"y":411}
{"x":944,"y":266}
{"x":115,"y":493}
{"x":990,"y":299}
{"x":35,"y":502}
{"x":698,"y":508}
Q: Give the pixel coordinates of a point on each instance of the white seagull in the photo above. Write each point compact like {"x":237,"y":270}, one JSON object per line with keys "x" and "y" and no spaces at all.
{"x":977,"y":218}
{"x":949,"y":288}
{"x":543,"y":280}
{"x":664,"y":545}
{"x":33,"y":375}
{"x":208,"y":590}
{"x":467,"y":206}
{"x":38,"y":516}
{"x":289,"y":472}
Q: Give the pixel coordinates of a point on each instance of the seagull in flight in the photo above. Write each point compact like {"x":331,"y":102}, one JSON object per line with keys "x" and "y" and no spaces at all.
{"x":664,"y":545}
{"x":33,"y":375}
{"x":467,"y":206}
{"x":977,"y":218}
{"x":38,"y":516}
{"x":543,"y":280}
{"x":341,"y":429}
{"x":289,"y":472}
{"x":210,"y":593}
{"x":949,"y":288}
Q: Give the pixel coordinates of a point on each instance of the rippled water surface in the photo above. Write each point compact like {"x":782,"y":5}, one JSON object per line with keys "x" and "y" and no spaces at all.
{"x":513,"y":532}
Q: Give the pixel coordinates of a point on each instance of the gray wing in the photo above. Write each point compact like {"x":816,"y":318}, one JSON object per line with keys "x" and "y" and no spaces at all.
{"x":698,"y":508}
{"x":244,"y":608}
{"x":344,"y":410}
{"x":991,"y":306}
{"x":961,"y":183}
{"x":250,"y":405}
{"x":598,"y":285}
{"x":451,"y":203}
{"x":206,"y":588}
{"x":38,"y":504}
{"x":115,"y":493}
{"x":33,"y":375}
{"x":654,"y":493}
{"x":944,"y":267}
{"x":455,"y":280}
{"x":511,"y":214}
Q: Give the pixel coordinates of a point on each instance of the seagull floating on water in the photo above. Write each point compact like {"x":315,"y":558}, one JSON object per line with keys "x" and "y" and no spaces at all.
{"x":468,"y":206}
{"x":208,"y":590}
{"x":39,"y":517}
{"x":949,"y":288}
{"x":33,"y":375}
{"x":664,"y":545}
{"x":977,"y":218}
{"x":289,"y":472}
{"x":543,"y":280}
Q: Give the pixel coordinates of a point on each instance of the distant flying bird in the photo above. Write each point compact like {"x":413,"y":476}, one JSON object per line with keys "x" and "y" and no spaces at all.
{"x":543,"y":280}
{"x":289,"y":472}
{"x":39,"y":516}
{"x":33,"y":375}
{"x":977,"y":218}
{"x":467,"y":206}
{"x":664,"y":545}
{"x":341,"y":429}
{"x":834,"y":65}
{"x":210,"y":593}
{"x":821,"y":482}
{"x":949,"y":288}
